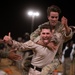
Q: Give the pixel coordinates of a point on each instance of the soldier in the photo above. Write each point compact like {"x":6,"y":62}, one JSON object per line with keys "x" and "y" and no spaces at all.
{"x":42,"y":55}
{"x":56,"y":26}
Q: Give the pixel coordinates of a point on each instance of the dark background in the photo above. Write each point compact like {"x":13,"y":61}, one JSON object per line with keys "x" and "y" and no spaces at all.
{"x":14,"y":18}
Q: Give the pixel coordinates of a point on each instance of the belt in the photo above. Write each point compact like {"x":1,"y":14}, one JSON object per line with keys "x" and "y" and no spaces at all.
{"x":36,"y":68}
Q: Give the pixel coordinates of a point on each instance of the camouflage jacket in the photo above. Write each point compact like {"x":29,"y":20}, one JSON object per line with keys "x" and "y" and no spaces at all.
{"x":59,"y":28}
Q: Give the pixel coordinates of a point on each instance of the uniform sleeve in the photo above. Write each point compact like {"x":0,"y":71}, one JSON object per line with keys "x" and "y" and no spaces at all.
{"x":68,"y":37}
{"x":61,"y":29}
{"x":56,"y":38}
{"x":23,"y":46}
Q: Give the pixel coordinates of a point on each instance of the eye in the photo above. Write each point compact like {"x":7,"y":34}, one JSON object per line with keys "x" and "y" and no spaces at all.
{"x":43,"y":33}
{"x":47,"y":33}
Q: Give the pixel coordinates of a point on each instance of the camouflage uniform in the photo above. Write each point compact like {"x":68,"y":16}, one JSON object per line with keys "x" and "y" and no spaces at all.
{"x":59,"y":28}
{"x":50,"y":67}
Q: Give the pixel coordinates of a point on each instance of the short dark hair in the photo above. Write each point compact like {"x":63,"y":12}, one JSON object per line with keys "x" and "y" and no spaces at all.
{"x":53,"y":8}
{"x":45,"y":26}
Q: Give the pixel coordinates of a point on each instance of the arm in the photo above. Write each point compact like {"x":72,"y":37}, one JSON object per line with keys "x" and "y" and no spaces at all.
{"x":17,"y":45}
{"x":66,"y":30}
{"x":64,"y":22}
{"x":23,"y":46}
{"x":52,"y":45}
{"x":55,"y":41}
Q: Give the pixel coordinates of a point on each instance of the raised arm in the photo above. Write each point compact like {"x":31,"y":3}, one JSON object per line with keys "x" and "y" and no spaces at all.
{"x":66,"y":30}
{"x":17,"y":45}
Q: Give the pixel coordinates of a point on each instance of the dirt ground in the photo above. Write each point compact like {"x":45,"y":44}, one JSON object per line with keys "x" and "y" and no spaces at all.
{"x":6,"y":65}
{"x":72,"y":68}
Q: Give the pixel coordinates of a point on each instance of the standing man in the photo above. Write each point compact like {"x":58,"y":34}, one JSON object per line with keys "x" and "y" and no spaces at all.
{"x":42,"y":54}
{"x":56,"y":26}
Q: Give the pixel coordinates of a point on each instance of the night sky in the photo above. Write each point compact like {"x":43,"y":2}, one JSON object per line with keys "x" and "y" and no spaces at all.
{"x":14,"y":18}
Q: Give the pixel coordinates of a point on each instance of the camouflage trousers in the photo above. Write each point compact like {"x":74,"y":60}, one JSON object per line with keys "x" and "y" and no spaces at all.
{"x":47,"y":70}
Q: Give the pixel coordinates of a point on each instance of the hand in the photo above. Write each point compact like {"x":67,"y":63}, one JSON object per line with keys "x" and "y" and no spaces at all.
{"x":13,"y":56}
{"x":64,"y":21}
{"x":7,"y":37}
{"x":39,"y":42}
{"x":52,"y":47}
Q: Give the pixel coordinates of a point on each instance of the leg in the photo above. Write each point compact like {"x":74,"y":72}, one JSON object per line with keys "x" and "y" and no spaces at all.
{"x":50,"y":68}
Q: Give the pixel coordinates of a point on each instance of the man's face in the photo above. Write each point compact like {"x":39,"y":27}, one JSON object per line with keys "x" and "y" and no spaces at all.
{"x":45,"y":35}
{"x":53,"y":18}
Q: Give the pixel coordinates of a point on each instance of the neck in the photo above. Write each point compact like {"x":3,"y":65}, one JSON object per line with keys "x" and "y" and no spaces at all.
{"x":41,"y":42}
